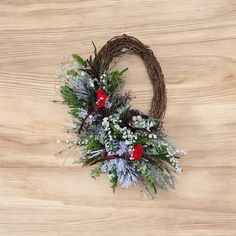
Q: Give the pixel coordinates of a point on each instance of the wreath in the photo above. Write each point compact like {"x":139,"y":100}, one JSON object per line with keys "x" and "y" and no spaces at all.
{"x":129,"y":146}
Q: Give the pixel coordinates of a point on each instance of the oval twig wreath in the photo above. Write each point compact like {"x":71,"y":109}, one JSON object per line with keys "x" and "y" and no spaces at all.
{"x":128,"y":145}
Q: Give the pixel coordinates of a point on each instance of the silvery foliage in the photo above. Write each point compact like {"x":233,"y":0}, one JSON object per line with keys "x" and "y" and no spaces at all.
{"x":125,"y":173}
{"x":164,"y":179}
{"x":139,"y":122}
{"x":156,"y":146}
{"x":91,"y":118}
{"x":83,"y":113}
{"x":122,"y":148}
{"x":81,"y":86}
{"x":94,"y":153}
{"x":122,"y":109}
{"x":82,"y":83}
{"x":100,"y":134}
{"x":68,"y":64}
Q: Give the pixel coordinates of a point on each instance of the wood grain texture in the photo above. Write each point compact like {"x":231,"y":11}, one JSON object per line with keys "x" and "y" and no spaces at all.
{"x":195,"y":42}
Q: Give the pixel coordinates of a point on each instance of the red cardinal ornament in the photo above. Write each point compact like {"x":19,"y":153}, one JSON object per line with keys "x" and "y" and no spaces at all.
{"x":101,"y":99}
{"x":138,"y":152}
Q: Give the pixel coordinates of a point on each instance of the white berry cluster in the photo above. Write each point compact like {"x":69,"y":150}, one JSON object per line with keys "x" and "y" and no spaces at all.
{"x":102,"y":82}
{"x":69,"y":64}
{"x":172,"y":153}
{"x":128,"y":137}
{"x":176,"y":165}
{"x":139,"y":122}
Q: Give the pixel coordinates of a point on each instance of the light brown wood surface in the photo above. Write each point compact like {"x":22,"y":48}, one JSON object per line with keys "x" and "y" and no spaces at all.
{"x":195,"y":42}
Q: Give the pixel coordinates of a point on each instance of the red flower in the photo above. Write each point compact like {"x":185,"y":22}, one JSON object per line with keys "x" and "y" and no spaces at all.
{"x":101,"y":98}
{"x":138,"y":152}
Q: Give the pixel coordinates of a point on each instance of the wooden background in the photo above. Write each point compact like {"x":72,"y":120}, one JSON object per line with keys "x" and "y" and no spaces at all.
{"x":195,"y":42}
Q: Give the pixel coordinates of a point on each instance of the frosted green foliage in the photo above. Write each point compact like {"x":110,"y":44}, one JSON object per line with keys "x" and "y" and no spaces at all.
{"x":127,"y":145}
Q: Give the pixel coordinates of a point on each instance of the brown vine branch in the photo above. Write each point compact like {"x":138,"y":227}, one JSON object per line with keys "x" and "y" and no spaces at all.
{"x":120,"y":45}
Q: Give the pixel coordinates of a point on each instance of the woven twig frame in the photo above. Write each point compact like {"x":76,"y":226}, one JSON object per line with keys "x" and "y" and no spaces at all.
{"x":120,"y":45}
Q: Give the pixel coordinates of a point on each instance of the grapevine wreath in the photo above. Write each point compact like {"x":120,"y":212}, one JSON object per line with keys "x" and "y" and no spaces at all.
{"x":128,"y":145}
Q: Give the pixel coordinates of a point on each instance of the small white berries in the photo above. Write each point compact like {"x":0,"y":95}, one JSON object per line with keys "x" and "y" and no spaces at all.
{"x":179,"y":170}
{"x":68,"y":58}
{"x":152,"y":136}
{"x":139,"y":118}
